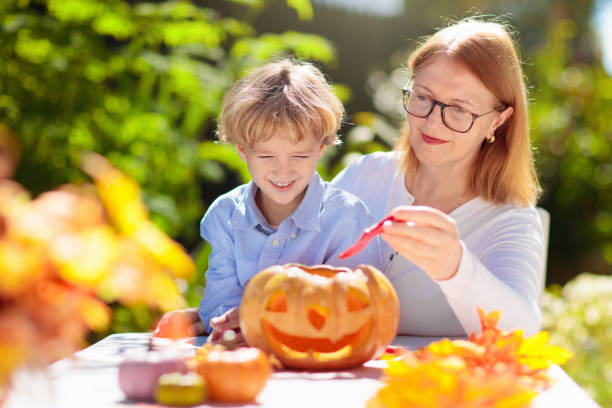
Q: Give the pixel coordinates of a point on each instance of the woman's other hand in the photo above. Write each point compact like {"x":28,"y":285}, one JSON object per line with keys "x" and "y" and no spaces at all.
{"x":427,"y":237}
{"x":222,"y":325}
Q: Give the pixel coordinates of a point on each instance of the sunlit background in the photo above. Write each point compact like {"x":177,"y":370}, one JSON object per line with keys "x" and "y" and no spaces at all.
{"x":141,"y":84}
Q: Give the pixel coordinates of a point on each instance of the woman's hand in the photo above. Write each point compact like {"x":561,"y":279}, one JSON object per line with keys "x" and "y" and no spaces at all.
{"x":222,"y":324}
{"x":427,"y":237}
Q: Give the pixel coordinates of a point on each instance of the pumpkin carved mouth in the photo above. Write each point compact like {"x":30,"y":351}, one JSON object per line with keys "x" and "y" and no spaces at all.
{"x":322,"y":347}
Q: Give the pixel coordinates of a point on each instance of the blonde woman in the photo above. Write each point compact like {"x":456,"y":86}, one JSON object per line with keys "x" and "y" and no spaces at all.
{"x":461,"y":184}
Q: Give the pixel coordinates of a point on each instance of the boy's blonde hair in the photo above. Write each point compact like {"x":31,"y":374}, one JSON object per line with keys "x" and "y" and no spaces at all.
{"x":283,"y":94}
{"x":503,"y":171}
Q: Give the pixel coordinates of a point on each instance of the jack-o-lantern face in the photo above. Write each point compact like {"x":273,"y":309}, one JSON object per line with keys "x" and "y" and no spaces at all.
{"x":319,"y":317}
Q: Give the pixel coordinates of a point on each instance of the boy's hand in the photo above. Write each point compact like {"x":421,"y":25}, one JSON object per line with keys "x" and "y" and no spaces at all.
{"x":190,"y":315}
{"x":221,"y":326}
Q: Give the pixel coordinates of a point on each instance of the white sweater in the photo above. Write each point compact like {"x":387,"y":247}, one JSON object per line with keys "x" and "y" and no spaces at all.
{"x":503,"y":254}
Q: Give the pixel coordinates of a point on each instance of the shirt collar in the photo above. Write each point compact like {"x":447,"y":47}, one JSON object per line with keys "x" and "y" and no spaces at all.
{"x":308,"y":214}
{"x":247,"y":215}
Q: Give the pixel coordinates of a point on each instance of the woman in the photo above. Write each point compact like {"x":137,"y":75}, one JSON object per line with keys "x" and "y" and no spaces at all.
{"x":461,"y":185}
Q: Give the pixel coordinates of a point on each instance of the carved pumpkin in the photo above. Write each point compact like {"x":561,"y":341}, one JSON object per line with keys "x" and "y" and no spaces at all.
{"x":320,"y":317}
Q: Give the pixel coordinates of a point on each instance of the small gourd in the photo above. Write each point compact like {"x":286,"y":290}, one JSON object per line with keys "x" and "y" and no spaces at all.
{"x":178,"y":389}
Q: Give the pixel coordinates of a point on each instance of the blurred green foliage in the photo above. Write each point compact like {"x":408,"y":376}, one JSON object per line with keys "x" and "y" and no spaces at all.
{"x":578,"y":318}
{"x":572,"y":130}
{"x":142,"y":84}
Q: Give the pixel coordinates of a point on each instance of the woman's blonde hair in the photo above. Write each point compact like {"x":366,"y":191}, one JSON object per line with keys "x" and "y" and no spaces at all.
{"x":504,"y":170}
{"x":285,"y":94}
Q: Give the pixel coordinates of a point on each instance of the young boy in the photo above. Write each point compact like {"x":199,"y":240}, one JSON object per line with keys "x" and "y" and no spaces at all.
{"x":281,"y":117}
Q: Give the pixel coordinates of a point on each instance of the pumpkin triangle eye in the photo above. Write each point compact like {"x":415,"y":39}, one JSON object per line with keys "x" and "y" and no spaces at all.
{"x":277,"y":302}
{"x":356,"y":300}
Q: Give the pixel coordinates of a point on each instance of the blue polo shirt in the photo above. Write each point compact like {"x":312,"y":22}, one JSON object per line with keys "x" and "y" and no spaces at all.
{"x":327,"y":221}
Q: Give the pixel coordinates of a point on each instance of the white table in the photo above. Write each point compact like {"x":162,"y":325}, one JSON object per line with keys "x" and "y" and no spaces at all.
{"x":89,"y":379}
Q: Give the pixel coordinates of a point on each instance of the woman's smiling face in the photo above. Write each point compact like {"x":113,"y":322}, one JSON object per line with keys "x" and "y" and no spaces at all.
{"x":434,"y":144}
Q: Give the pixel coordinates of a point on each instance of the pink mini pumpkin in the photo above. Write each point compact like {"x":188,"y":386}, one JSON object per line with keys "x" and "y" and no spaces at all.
{"x":139,"y":373}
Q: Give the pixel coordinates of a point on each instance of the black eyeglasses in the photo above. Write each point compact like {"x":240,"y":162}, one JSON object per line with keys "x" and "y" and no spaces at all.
{"x":454,"y":117}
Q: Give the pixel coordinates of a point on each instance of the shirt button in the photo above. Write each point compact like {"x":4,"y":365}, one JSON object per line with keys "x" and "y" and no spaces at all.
{"x":293,"y":235}
{"x":275,"y":242}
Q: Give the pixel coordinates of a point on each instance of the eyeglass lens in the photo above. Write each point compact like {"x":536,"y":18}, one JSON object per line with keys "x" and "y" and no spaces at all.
{"x":454,"y":117}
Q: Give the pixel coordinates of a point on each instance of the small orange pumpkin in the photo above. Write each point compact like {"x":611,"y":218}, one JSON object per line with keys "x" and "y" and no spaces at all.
{"x":320,"y":317}
{"x":233,"y":375}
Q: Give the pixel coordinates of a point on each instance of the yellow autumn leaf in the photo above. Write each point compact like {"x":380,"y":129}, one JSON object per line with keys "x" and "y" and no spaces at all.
{"x":119,"y":193}
{"x":20,"y":266}
{"x":12,"y":355}
{"x":494,"y":369}
{"x":85,"y":258}
{"x":517,"y":400}
{"x":121,"y":198}
{"x":446,"y":347}
{"x":161,"y":290}
{"x":95,"y":314}
{"x":164,"y":250}
{"x":538,"y":354}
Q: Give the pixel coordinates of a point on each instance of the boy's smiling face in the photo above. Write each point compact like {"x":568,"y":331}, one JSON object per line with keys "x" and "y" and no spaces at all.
{"x":282,"y":170}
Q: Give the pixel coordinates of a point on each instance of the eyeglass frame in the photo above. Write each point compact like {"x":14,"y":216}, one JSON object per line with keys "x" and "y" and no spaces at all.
{"x":442,"y":107}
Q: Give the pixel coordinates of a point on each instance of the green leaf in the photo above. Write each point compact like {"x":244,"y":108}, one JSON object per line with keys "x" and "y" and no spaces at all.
{"x":225,"y":154}
{"x":303,"y":8}
{"x":188,"y":32}
{"x":304,"y":46}
{"x":116,"y":25}
{"x":75,"y":10}
{"x":255,"y":4}
{"x":310,"y":46}
{"x":343,"y":92}
{"x":35,"y":50}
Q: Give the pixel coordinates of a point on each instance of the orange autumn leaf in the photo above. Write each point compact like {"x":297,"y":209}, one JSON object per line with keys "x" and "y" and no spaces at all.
{"x":489,"y":321}
{"x":68,"y":252}
{"x":495,"y":368}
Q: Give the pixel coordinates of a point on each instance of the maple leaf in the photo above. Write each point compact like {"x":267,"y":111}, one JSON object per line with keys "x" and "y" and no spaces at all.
{"x":495,"y":368}
{"x":537,"y":353}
